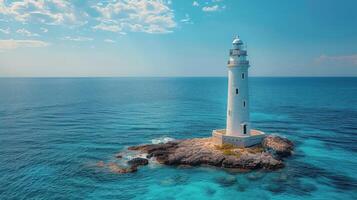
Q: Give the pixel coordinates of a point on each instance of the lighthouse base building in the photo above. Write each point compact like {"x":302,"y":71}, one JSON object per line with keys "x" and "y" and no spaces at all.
{"x":238,"y":131}
{"x":255,"y":137}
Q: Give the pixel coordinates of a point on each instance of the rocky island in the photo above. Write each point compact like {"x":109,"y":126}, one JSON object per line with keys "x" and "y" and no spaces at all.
{"x":204,"y":152}
{"x":238,"y":146}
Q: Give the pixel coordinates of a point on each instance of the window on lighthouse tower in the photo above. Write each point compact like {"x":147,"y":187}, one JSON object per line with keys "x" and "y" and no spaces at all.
{"x":236,"y":90}
{"x":242,"y":75}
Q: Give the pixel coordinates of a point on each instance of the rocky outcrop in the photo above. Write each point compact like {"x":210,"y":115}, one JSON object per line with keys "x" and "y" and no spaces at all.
{"x":120,"y":169}
{"x":196,"y":152}
{"x":278,"y":145}
{"x":253,"y":161}
{"x":115,"y":168}
{"x":138,"y":161}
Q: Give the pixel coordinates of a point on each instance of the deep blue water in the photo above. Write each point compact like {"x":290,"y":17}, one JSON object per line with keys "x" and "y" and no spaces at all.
{"x":53,"y":132}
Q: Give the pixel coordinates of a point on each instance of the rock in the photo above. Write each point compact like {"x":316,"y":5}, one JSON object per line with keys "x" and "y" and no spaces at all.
{"x":280,"y":146}
{"x":119,"y":155}
{"x":138,"y":161}
{"x":226,"y":181}
{"x":203,"y":151}
{"x":121,"y":170}
{"x":252,"y":161}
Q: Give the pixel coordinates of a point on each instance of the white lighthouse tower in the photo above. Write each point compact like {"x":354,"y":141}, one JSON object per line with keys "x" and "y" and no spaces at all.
{"x":238,"y":131}
{"x":238,"y":94}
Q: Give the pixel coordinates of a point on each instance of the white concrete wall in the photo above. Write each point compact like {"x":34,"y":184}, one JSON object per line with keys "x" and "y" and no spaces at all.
{"x":220,"y":138}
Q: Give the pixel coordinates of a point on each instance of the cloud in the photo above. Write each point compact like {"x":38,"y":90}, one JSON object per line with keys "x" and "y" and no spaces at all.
{"x":77,"y":39}
{"x":5,"y":31}
{"x":108,"y":25}
{"x":213,"y":8}
{"x":337,"y":60}
{"x":195,"y":3}
{"x":119,"y":16}
{"x":52,"y":12}
{"x":187,"y":19}
{"x":135,"y":16}
{"x":109,"y":41}
{"x":26,"y":33}
{"x":14,"y":44}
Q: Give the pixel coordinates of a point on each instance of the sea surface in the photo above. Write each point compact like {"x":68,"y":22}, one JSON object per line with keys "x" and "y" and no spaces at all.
{"x":54,"y":131}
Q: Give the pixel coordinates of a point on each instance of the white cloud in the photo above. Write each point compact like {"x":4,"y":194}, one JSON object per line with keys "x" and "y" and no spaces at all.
{"x":211,"y":8}
{"x":109,"y":41}
{"x":337,"y":60}
{"x":187,"y":19}
{"x":120,"y":16}
{"x":77,"y":39}
{"x":136,"y":16}
{"x":196,"y":4}
{"x":26,"y":33}
{"x":5,"y":31}
{"x":14,"y":44}
{"x":53,"y":12}
{"x":108,"y":25}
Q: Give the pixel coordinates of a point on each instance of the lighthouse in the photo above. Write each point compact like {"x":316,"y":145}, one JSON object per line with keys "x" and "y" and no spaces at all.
{"x":238,"y":130}
{"x":238,"y":91}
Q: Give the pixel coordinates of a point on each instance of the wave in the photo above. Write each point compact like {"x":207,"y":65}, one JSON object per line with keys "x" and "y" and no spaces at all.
{"x":162,"y":140}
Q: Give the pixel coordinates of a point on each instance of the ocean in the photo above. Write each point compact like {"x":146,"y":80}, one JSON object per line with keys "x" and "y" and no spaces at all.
{"x":53,"y":132}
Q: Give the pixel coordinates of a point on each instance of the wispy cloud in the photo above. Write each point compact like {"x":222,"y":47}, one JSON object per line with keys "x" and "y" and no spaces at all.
{"x":213,"y":8}
{"x":135,"y":16}
{"x":77,"y":39}
{"x":5,"y":31}
{"x":109,"y":41}
{"x":187,"y":19}
{"x":26,"y":33}
{"x":108,"y":25}
{"x":14,"y":44}
{"x":52,"y":12}
{"x":337,"y":60}
{"x":196,"y":4}
{"x":122,"y":16}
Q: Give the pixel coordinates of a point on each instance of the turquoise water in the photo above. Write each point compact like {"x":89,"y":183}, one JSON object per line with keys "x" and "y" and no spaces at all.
{"x":54,"y":131}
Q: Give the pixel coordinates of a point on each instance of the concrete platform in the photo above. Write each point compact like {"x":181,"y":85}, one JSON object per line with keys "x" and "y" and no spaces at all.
{"x":219,"y":137}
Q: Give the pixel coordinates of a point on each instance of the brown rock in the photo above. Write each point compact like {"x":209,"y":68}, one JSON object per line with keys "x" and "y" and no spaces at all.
{"x":115,"y":168}
{"x":279,"y":145}
{"x":196,"y":152}
{"x":138,"y":161}
{"x":119,"y":156}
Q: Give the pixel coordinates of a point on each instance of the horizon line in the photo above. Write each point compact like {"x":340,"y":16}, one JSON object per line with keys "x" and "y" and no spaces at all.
{"x":174,"y":77}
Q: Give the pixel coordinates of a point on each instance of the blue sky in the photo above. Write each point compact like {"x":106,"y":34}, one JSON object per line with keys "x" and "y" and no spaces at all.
{"x":176,"y":37}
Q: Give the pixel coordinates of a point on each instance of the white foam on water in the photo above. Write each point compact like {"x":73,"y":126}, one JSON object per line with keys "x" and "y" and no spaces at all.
{"x":162,"y":140}
{"x":133,"y":155}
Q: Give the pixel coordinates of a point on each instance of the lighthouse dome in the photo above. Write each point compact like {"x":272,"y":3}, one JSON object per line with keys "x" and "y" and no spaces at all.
{"x":237,"y":41}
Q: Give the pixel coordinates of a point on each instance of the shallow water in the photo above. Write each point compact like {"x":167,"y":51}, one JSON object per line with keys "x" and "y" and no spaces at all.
{"x":54,"y":131}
